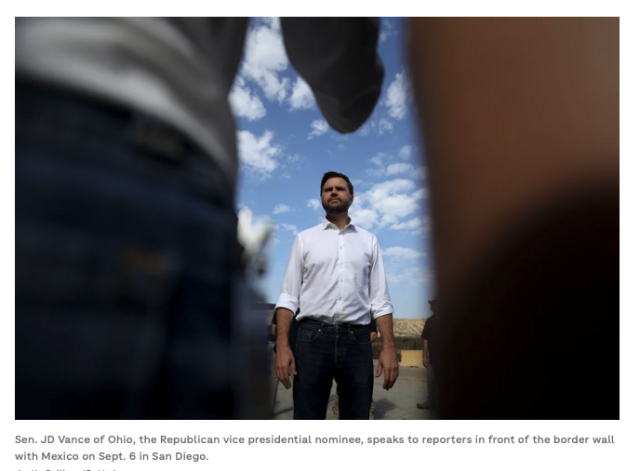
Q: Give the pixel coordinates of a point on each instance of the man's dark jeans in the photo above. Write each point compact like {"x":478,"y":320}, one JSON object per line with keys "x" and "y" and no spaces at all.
{"x":324,"y":352}
{"x":126,"y":247}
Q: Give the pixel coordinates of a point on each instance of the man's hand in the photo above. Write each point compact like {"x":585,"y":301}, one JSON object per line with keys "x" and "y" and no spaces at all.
{"x":389,"y":362}
{"x":284,"y":355}
{"x":425,"y":361}
{"x":284,"y":361}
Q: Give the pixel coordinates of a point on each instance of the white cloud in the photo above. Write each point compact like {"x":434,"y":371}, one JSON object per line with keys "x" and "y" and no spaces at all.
{"x":386,"y":30}
{"x":319,"y":127}
{"x":365,"y":218}
{"x":301,"y":96}
{"x":413,"y":224}
{"x":265,"y":58}
{"x":258,"y":154}
{"x":395,"y":207}
{"x":313,"y":204}
{"x":413,"y":275}
{"x":387,"y":203}
{"x":379,"y":161}
{"x":405,"y":152}
{"x":385,"y":165}
{"x":397,"y":169}
{"x":403,"y":253}
{"x":273,"y":22}
{"x":290,"y":227}
{"x":244,"y":103}
{"x":293,"y":158}
{"x":281,"y":208}
{"x":421,"y":173}
{"x":397,"y":96}
{"x":366,"y":128}
{"x":422,"y":193}
{"x":384,"y":125}
{"x":392,"y":187}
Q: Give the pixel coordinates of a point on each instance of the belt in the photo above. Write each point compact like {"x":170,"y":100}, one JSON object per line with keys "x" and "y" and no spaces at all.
{"x":326,"y":325}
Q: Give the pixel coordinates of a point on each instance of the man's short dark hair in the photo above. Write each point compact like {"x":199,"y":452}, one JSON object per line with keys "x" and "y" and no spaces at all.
{"x":329,"y":175}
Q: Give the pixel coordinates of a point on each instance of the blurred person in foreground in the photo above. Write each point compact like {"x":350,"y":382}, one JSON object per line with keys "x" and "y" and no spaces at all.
{"x":520,"y":120}
{"x":335,"y":276}
{"x":130,"y":300}
{"x":431,"y":337}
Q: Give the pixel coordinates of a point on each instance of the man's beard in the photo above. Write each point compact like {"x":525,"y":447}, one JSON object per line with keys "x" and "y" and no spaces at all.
{"x":336,"y":209}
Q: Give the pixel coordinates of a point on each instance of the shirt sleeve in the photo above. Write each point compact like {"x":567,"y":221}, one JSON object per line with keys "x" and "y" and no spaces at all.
{"x":289,"y":297}
{"x":378,"y":290}
{"x":338,"y":58}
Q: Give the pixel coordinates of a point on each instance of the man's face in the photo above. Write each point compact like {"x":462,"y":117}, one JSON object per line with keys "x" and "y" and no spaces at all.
{"x":335,"y":196}
{"x":434,"y":306}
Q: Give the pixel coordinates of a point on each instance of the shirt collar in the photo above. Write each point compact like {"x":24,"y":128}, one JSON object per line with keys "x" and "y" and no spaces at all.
{"x":326,"y":223}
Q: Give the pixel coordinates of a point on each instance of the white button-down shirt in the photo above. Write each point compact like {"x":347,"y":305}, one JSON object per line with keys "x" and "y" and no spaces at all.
{"x":336,"y":276}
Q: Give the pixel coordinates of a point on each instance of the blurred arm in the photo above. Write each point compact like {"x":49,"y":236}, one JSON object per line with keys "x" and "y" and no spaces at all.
{"x":516,"y":114}
{"x":337,"y":57}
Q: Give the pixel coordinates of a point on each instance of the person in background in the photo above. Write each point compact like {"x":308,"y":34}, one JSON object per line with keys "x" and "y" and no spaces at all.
{"x":430,"y":337}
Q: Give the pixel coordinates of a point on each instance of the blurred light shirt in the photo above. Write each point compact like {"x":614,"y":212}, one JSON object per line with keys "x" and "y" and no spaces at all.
{"x":181,"y":70}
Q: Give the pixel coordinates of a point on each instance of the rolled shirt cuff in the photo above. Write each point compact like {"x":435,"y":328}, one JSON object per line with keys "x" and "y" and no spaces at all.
{"x":287,"y":301}
{"x":382,"y":309}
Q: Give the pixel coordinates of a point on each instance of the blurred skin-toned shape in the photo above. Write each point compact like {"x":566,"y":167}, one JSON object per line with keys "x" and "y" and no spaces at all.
{"x":517,"y":112}
{"x":520,"y":121}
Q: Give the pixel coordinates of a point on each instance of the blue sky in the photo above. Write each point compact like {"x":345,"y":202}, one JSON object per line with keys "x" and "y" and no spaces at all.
{"x":285,"y":147}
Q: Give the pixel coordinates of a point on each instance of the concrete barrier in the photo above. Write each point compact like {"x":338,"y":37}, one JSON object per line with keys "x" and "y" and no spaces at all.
{"x":411,"y":358}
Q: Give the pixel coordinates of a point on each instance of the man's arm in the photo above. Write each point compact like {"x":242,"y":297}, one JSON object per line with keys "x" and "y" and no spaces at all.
{"x":388,"y":359}
{"x":425,"y":353}
{"x":286,"y":305}
{"x":285,"y":316}
{"x":425,"y":344}
{"x":284,"y":355}
{"x":382,"y":310}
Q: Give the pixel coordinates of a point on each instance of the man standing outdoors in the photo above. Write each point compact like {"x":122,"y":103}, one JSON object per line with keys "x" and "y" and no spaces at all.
{"x":430,"y":338}
{"x":335,"y":275}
